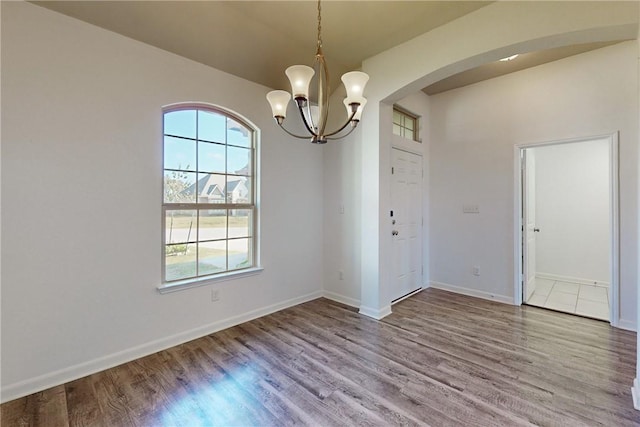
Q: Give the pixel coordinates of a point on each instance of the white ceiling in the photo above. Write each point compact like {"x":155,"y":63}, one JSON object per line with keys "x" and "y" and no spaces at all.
{"x":258,"y":40}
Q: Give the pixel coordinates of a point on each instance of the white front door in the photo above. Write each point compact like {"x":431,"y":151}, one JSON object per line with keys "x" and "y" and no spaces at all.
{"x":529,"y":221}
{"x":406,"y":222}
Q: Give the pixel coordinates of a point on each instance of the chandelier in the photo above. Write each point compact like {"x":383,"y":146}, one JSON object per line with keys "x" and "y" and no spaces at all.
{"x":315,"y":115}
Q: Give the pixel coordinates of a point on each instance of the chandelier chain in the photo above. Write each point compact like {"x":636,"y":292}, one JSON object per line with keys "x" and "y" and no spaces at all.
{"x":319,"y":25}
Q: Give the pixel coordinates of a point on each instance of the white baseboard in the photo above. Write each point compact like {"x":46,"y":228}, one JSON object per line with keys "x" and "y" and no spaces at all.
{"x":43,"y":382}
{"x":591,"y":282}
{"x":628,"y":325}
{"x":374,"y":313}
{"x":352,"y":302}
{"x":472,"y":292}
{"x":635,"y":393}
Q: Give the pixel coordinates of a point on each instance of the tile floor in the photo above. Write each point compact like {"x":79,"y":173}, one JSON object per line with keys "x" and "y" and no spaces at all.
{"x":575,"y":298}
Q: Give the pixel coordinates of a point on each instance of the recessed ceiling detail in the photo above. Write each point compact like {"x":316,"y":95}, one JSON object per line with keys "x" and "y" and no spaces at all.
{"x":500,"y":68}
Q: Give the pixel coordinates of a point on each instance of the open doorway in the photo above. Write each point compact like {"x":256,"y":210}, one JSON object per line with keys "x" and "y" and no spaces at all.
{"x":567,"y":226}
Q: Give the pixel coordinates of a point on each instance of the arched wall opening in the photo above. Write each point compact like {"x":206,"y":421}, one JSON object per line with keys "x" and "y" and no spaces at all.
{"x":486,"y":35}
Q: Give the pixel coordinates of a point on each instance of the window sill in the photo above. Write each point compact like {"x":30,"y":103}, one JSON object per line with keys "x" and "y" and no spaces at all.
{"x":203,"y":281}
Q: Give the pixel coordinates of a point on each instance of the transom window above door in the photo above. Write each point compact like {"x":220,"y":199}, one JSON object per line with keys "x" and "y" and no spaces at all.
{"x":405,"y":124}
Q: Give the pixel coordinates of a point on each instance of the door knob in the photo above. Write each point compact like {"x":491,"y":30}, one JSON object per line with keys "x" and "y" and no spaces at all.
{"x":536,"y":230}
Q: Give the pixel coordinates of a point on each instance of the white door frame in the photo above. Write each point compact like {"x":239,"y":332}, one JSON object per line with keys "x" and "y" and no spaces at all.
{"x":529,"y":234}
{"x":614,"y":231}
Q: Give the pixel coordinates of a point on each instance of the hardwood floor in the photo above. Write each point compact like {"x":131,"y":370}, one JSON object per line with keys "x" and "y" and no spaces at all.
{"x":440,"y":359}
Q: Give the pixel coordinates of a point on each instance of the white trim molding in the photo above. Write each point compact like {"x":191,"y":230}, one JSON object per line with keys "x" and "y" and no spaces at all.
{"x":472,"y":292}
{"x":351,"y":302}
{"x":43,"y":382}
{"x":375,"y":314}
{"x":628,"y":325}
{"x":204,"y":281}
{"x":635,"y":393}
{"x":579,"y":280}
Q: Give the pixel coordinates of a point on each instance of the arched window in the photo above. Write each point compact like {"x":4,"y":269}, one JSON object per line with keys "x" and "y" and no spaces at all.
{"x":209,"y":200}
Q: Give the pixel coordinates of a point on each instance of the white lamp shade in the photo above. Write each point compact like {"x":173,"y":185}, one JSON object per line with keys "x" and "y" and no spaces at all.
{"x":354,"y":83}
{"x":279,"y":99}
{"x":361,"y":100}
{"x":300,"y":76}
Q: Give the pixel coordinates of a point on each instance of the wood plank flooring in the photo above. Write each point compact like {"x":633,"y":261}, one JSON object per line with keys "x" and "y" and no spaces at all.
{"x":440,"y":359}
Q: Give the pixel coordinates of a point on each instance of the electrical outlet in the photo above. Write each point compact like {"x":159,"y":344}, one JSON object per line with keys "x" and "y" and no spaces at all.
{"x":476,"y":271}
{"x":215,"y":295}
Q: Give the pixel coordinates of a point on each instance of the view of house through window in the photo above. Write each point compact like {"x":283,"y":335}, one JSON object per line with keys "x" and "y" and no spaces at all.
{"x":209,"y":202}
{"x":405,"y":124}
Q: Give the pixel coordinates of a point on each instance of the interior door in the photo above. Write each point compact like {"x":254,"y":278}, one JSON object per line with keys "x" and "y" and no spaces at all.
{"x":406,"y":222}
{"x":529,"y":221}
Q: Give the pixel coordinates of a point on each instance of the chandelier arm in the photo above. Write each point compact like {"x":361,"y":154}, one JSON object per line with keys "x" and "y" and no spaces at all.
{"x":343,"y":126}
{"x":342,"y":136}
{"x":292,"y":134}
{"x":324,"y":83}
{"x":311,"y":122}
{"x":304,"y":120}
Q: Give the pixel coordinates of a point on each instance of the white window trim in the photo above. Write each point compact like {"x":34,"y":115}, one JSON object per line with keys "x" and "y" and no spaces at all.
{"x":180,"y":285}
{"x":416,"y":123}
{"x":194,"y":282}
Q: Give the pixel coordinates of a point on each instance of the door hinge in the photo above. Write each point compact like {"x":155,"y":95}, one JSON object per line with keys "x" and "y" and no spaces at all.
{"x":391,"y":170}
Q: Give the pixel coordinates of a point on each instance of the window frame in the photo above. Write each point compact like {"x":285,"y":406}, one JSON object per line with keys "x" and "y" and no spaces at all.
{"x":406,"y":115}
{"x":197,"y":206}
